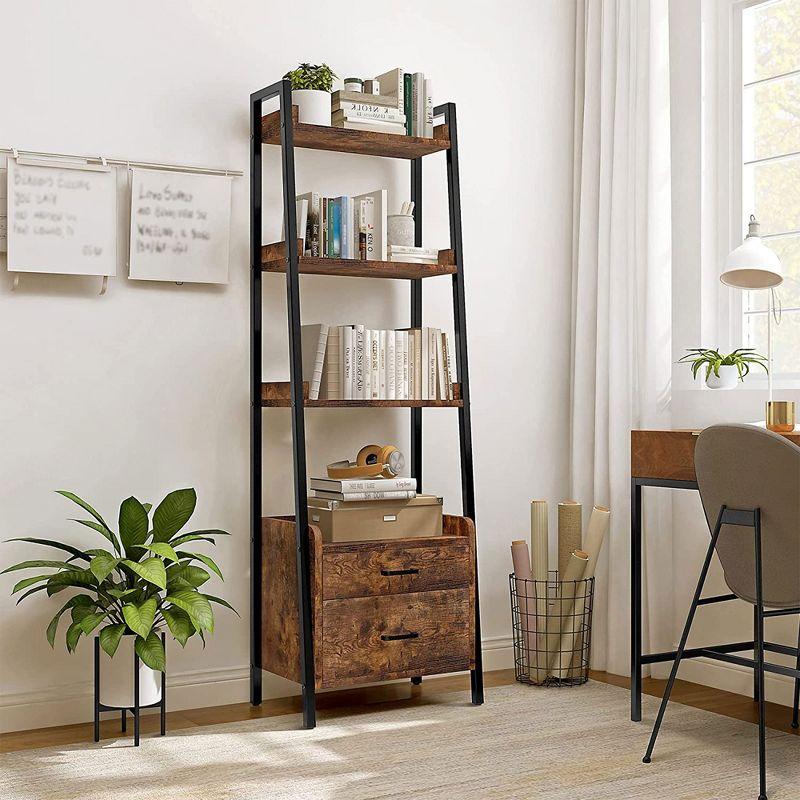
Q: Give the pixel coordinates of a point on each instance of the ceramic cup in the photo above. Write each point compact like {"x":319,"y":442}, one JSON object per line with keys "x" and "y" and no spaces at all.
{"x":400,"y":230}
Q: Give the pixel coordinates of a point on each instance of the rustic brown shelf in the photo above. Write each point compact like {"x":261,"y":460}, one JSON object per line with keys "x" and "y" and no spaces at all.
{"x":273,"y":259}
{"x":277,"y":394}
{"x":367,"y":143}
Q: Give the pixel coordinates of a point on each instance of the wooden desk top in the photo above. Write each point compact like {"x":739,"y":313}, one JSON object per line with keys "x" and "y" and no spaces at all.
{"x":669,"y":454}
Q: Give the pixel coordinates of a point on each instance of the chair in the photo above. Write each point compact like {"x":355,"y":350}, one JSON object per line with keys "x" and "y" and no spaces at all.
{"x":749,"y":480}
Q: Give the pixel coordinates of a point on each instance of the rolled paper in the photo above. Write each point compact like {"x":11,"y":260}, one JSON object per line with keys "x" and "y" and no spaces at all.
{"x":540,"y":546}
{"x":569,"y":531}
{"x":561,"y":644}
{"x":521,"y":559}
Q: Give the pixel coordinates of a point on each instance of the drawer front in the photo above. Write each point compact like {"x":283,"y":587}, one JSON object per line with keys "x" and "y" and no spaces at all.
{"x":363,"y":569}
{"x":368,"y":639}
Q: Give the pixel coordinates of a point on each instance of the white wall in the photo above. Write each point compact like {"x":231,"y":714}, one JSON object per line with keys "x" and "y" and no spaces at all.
{"x":146,"y":389}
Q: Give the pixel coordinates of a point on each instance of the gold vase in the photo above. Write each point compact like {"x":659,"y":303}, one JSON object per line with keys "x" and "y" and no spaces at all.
{"x":780,"y":416}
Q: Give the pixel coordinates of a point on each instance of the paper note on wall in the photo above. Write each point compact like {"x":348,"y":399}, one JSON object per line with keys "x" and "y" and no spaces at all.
{"x":180,"y":226}
{"x":62,"y":218}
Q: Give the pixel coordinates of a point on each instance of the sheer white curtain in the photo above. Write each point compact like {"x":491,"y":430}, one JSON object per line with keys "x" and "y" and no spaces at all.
{"x":621,"y":344}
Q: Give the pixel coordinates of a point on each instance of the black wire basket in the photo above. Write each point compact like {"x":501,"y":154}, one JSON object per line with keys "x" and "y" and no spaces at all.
{"x":552,"y":623}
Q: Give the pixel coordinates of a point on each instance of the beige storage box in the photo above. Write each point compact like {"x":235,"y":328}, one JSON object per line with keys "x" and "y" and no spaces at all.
{"x":376,"y":519}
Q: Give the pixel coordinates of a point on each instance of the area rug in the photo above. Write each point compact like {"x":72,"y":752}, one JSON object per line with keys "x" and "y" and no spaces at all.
{"x":524,"y":742}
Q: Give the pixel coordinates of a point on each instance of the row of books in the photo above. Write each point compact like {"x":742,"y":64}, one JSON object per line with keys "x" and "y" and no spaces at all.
{"x":362,"y":489}
{"x":343,"y":227}
{"x":404,"y":106}
{"x":352,"y":362}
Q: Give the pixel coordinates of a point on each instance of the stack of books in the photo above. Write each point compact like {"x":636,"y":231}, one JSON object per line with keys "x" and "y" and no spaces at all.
{"x":343,"y":227}
{"x":361,"y":489}
{"x":352,"y":362}
{"x":413,"y":255}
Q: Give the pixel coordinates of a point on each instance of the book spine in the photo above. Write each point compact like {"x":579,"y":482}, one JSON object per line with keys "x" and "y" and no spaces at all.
{"x":370,"y":230}
{"x":323,"y":227}
{"x":412,"y":377}
{"x":367,"y":364}
{"x":451,"y":368}
{"x":403,"y":494}
{"x":391,"y":366}
{"x":368,"y":113}
{"x":347,"y":362}
{"x":418,"y":364}
{"x":419,"y":108}
{"x":319,"y":360}
{"x":433,"y":355}
{"x":351,"y":485}
{"x":401,"y":354}
{"x":383,"y":352}
{"x":360,"y":363}
{"x":445,"y":370}
{"x":331,"y":382}
{"x":425,"y":365}
{"x":407,"y":101}
{"x":428,"y":109}
{"x":374,"y":365}
{"x":337,"y":227}
{"x":415,"y":91}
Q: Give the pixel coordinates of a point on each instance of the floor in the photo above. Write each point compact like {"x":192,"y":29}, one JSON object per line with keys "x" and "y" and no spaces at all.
{"x":352,"y":701}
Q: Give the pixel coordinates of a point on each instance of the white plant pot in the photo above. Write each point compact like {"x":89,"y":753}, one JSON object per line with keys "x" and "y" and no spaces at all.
{"x":728,"y":378}
{"x":116,"y":678}
{"x":313,"y":106}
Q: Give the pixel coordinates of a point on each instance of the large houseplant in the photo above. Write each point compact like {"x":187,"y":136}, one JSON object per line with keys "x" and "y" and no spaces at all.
{"x":723,"y":371}
{"x":311,"y":89}
{"x":142,"y":581}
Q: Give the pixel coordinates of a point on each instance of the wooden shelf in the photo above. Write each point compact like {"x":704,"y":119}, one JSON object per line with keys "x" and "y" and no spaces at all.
{"x":273,"y":259}
{"x":341,"y":140}
{"x":277,"y":394}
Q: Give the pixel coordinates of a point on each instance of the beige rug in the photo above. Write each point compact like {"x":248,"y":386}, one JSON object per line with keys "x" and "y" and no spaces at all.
{"x":548,"y":744}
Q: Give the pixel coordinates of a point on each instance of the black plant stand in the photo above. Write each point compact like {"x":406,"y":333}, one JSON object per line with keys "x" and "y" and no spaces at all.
{"x":135,"y":708}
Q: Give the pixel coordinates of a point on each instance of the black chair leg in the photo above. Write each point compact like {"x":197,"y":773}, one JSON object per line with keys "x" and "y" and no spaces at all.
{"x":684,"y":638}
{"x":796,"y":711}
{"x":759,"y":655}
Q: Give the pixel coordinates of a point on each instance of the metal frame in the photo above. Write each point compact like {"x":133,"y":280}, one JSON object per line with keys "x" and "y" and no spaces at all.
{"x":282,"y":91}
{"x":135,"y":708}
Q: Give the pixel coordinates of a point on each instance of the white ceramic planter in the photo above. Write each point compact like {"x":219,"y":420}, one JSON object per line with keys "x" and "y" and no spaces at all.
{"x":728,"y":378}
{"x":116,"y":678}
{"x":313,"y":105}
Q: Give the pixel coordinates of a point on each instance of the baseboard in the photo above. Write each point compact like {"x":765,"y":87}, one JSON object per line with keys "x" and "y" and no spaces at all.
{"x":72,"y":703}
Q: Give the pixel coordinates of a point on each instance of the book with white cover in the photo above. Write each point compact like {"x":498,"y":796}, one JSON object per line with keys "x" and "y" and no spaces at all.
{"x":311,"y":228}
{"x":377,"y":126}
{"x":360,"y":364}
{"x":378,"y":220}
{"x":434,"y":335}
{"x":451,"y":368}
{"x":346,"y":348}
{"x":402,"y":494}
{"x":402,"y":370}
{"x":374,"y":365}
{"x":363,"y":112}
{"x":391,"y":84}
{"x":412,"y":250}
{"x":341,"y":97}
{"x":391,"y":366}
{"x":425,"y":388}
{"x":367,"y":364}
{"x":330,"y":385}
{"x":441,"y":379}
{"x":383,"y":352}
{"x":428,"y":134}
{"x":350,"y":485}
{"x":313,"y":339}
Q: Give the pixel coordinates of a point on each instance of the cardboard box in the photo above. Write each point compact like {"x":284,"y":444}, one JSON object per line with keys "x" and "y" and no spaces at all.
{"x":376,"y":519}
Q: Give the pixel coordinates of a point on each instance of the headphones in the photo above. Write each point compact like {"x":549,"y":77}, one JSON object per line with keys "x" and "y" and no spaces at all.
{"x":372,"y":461}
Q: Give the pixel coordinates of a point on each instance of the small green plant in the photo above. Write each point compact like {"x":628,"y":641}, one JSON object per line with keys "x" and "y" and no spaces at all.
{"x":144,"y":580}
{"x":740,"y":358}
{"x":312,"y":76}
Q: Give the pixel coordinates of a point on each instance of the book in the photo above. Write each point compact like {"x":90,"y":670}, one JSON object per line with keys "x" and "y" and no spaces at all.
{"x":362,"y":228}
{"x":336,"y":205}
{"x":382,"y":356}
{"x":374,"y":365}
{"x":448,"y":383}
{"x":402,"y":356}
{"x":411,"y":250}
{"x":364,"y":111}
{"x":413,"y":259}
{"x":367,"y":364}
{"x":425,"y":385}
{"x":390,"y":366}
{"x":374,"y":125}
{"x":384,"y":100}
{"x":415,"y":104}
{"x":350,"y":485}
{"x":311,"y":243}
{"x":391,"y":84}
{"x":313,"y":339}
{"x":416,"y":361}
{"x":399,"y":494}
{"x":407,"y":101}
{"x":441,"y":379}
{"x":451,"y":368}
{"x":419,"y":103}
{"x":330,"y":385}
{"x":347,"y":362}
{"x":360,"y":363}
{"x":379,"y":205}
{"x":428,"y":132}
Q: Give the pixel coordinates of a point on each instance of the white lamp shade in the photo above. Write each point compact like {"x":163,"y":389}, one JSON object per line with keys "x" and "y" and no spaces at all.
{"x":752,"y":265}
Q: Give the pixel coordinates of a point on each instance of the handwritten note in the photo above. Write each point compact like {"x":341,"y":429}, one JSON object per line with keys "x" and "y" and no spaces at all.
{"x":61,"y":219}
{"x":180,"y":226}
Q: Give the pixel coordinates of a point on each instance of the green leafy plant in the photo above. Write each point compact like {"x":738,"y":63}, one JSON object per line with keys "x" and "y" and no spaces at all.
{"x":312,"y":76}
{"x":740,"y":358}
{"x":144,"y":579}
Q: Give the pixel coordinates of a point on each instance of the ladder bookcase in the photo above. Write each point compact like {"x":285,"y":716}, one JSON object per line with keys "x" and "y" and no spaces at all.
{"x":437,"y":580}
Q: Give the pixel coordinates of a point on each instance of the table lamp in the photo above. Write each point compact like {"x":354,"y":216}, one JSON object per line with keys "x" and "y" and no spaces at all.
{"x":752,"y":265}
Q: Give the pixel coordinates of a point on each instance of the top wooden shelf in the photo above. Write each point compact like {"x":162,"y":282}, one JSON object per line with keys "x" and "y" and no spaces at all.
{"x":341,"y":140}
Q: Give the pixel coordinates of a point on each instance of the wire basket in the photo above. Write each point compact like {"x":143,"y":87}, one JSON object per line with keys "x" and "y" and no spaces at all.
{"x":552,"y":623}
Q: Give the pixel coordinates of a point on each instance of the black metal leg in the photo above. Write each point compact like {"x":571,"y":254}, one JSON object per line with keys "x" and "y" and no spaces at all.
{"x":636,"y":601}
{"x":135,"y":699}
{"x":684,"y":638}
{"x":416,"y":680}
{"x":96,"y":689}
{"x":164,"y":689}
{"x":756,"y":688}
{"x":796,"y":708}
{"x":759,"y":655}
{"x":124,"y":720}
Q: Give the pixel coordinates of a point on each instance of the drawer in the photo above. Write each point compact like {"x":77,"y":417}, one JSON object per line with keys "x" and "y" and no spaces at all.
{"x":362,"y":569}
{"x":368,"y":639}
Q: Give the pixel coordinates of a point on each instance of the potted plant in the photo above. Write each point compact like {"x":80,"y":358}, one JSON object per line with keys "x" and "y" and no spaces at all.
{"x":311,"y":92}
{"x":144,"y":579}
{"x":723,"y":371}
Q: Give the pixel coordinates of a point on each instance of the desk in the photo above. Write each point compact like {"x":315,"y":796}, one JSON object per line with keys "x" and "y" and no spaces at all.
{"x":666,"y":459}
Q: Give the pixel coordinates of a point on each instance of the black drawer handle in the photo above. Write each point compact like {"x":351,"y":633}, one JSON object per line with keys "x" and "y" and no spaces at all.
{"x":410,"y":571}
{"x":393,"y":637}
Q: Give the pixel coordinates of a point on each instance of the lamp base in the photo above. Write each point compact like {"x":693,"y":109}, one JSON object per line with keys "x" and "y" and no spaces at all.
{"x":780,"y":416}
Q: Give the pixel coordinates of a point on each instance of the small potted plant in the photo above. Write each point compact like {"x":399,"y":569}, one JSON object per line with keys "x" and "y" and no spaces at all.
{"x":723,"y":371}
{"x":311,"y":92}
{"x":145,"y":579}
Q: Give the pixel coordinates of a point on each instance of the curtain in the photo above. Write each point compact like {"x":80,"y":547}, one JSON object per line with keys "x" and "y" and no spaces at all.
{"x":621,"y":304}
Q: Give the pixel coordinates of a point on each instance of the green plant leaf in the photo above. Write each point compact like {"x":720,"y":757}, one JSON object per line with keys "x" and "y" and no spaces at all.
{"x":52,"y":628}
{"x":31,"y":564}
{"x":147,"y":507}
{"x":212,"y":599}
{"x":84,"y":505}
{"x":82,"y":578}
{"x":151,"y":651}
{"x":102,"y":565}
{"x":120,"y":593}
{"x":209,"y":562}
{"x":151,"y":569}
{"x":162,"y":549}
{"x":195,"y":605}
{"x":179,"y":624}
{"x":172,"y":513}
{"x":91,"y":621}
{"x":80,"y":611}
{"x":110,"y":638}
{"x":101,"y":529}
{"x":190,"y":537}
{"x":133,"y":524}
{"x":74,"y":632}
{"x":26,"y":582}
{"x":50,"y":543}
{"x":188,"y":573}
{"x":31,"y":591}
{"x":140,"y":618}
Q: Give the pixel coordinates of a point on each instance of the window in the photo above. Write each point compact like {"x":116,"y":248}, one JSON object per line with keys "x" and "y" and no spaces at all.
{"x":771,"y":167}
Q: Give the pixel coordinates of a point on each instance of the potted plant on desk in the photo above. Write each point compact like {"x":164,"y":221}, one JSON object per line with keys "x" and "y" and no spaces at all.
{"x":143,"y":580}
{"x":723,"y":371}
{"x":311,"y":92}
